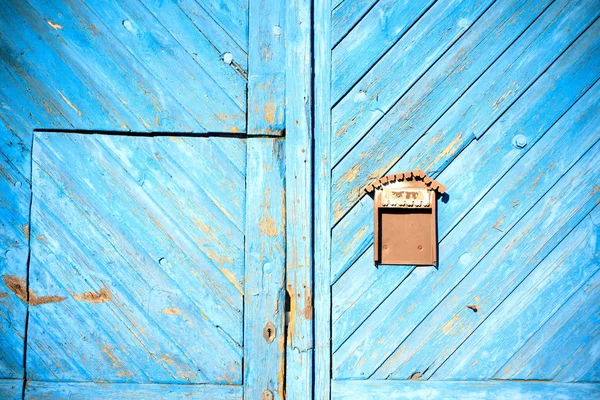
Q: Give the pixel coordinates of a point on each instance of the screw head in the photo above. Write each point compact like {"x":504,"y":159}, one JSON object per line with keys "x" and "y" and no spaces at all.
{"x":519,"y":141}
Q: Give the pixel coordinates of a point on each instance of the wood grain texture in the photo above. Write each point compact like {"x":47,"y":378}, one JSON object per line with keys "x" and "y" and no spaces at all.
{"x":395,"y":72}
{"x":322,"y":193}
{"x":266,"y":74}
{"x":536,"y":111}
{"x":11,"y":389}
{"x":264,"y":300}
{"x":517,"y":317}
{"x":428,"y":99}
{"x":114,"y":391}
{"x":380,"y":28}
{"x":452,"y":390}
{"x":130,"y":248}
{"x":489,"y":225}
{"x":299,"y":199}
{"x":17,"y":122}
{"x":130,"y":66}
{"x":488,"y":158}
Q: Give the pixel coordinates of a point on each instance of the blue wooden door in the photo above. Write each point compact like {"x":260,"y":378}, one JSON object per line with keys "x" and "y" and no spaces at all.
{"x":499,"y":101}
{"x":142,"y":199}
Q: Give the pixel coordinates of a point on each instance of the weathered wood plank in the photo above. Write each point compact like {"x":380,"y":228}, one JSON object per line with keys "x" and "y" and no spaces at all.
{"x":399,"y":69}
{"x":535,"y":61}
{"x":506,"y":323}
{"x":139,"y":32}
{"x":536,"y":111}
{"x":264,"y":300}
{"x":491,"y":157}
{"x":266,"y":73}
{"x":461,"y":390}
{"x":153,"y":257}
{"x":79,"y":100}
{"x":231,"y":15}
{"x":11,"y":389}
{"x":218,"y":37}
{"x":486,"y":225}
{"x":299,"y":198}
{"x":345,"y":16}
{"x":89,"y":390}
{"x":560,"y":344}
{"x":429,"y":98}
{"x":322,"y":194}
{"x":196,"y":41}
{"x":384,"y":24}
{"x":21,"y":111}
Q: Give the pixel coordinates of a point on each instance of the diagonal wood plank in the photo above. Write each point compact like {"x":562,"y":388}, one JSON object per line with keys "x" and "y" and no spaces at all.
{"x":535,"y":112}
{"x":381,"y":334}
{"x":346,"y":15}
{"x":394,"y":73}
{"x":426,"y":101}
{"x":231,"y":15}
{"x":198,"y":45}
{"x":16,"y":126}
{"x":154,"y":280}
{"x":370,"y":39}
{"x":560,"y":343}
{"x":141,"y":33}
{"x":218,"y":37}
{"x":503,"y":330}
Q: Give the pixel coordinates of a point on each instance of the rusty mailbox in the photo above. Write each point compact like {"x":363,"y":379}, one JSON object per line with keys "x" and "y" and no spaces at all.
{"x":406,"y":218}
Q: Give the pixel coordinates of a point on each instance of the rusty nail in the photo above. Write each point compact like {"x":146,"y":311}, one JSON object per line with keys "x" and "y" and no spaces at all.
{"x":267,"y":395}
{"x":473,"y":307}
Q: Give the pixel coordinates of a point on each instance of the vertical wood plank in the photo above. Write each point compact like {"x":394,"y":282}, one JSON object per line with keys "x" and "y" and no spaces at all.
{"x":299,"y":346}
{"x":266,"y":63}
{"x":322,"y":188}
{"x":264,"y":301}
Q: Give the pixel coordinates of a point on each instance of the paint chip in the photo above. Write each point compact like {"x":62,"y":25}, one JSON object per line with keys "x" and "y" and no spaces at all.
{"x":55,"y":26}
{"x":101,"y":296}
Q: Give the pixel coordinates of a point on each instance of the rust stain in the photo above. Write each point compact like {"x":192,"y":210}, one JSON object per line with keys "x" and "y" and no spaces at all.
{"x":36,"y":301}
{"x":25,"y":229}
{"x":101,"y":296}
{"x":42,"y":238}
{"x":269,"y":115}
{"x":16,"y":285}
{"x":171,"y":311}
{"x":416,"y":376}
{"x":3,"y":295}
{"x":19,"y":287}
{"x":595,"y":189}
{"x":55,"y":26}
{"x":308,"y":308}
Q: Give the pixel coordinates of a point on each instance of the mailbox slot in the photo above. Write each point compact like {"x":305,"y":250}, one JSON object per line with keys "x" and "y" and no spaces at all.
{"x":405,"y":208}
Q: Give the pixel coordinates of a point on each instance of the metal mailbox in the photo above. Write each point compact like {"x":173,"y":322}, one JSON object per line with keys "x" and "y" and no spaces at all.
{"x":406,"y":218}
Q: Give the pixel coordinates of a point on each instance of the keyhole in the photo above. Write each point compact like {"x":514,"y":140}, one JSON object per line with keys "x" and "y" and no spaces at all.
{"x":269,"y":332}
